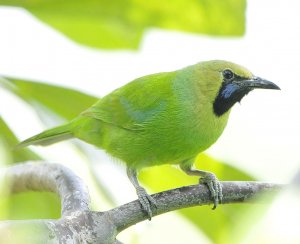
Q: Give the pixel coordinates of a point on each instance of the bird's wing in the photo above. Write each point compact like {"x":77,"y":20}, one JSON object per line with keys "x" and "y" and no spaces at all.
{"x":135,"y":104}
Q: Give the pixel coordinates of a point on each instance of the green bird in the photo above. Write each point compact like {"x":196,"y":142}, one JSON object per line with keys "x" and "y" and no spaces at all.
{"x":163,"y":118}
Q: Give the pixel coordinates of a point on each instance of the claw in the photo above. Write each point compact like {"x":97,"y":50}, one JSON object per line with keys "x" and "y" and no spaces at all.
{"x":146,"y":201}
{"x":214,"y":187}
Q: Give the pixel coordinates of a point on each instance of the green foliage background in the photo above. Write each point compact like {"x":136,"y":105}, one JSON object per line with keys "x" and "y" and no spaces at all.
{"x":121,"y":23}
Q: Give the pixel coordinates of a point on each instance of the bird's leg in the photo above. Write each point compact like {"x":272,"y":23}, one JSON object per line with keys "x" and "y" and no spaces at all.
{"x":145,"y":199}
{"x":207,"y":178}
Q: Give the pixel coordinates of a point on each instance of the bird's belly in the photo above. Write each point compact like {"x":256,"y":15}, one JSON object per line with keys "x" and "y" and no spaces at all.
{"x":143,"y":150}
{"x":148,"y":148}
{"x":175,"y":149}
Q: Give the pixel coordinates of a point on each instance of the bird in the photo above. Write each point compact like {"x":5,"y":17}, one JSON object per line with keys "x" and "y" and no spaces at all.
{"x":162,"y":118}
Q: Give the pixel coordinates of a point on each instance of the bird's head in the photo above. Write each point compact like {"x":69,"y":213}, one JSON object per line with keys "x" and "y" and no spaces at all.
{"x":227,"y":83}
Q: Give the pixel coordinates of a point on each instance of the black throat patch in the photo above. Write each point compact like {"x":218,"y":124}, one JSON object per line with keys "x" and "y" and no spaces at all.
{"x":229,"y":94}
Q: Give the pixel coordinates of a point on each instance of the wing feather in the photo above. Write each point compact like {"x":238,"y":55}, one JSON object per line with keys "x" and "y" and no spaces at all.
{"x":135,"y":104}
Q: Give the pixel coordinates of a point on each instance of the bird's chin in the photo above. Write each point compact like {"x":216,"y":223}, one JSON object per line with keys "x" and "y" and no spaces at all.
{"x":245,"y":93}
{"x":222,"y":103}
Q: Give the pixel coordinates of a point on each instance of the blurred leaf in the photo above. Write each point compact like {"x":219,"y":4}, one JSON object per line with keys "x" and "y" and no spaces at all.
{"x":29,"y":205}
{"x":26,"y":205}
{"x":5,"y":157}
{"x":67,"y":103}
{"x":121,"y":23}
{"x":10,"y":141}
{"x":34,"y":205}
{"x":217,"y":224}
{"x":64,"y":102}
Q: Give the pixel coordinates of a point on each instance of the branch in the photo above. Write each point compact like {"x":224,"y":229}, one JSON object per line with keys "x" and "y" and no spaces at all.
{"x":189,"y":196}
{"x":79,"y":224}
{"x":34,"y":176}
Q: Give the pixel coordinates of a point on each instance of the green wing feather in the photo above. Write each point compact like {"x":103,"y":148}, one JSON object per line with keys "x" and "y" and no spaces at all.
{"x":127,"y":107}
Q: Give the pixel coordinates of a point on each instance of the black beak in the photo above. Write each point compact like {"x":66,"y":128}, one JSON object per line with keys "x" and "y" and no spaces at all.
{"x":258,"y":82}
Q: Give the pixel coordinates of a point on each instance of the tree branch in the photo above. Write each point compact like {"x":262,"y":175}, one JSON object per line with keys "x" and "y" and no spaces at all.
{"x":189,"y":196}
{"x":34,"y":176}
{"x":80,"y":224}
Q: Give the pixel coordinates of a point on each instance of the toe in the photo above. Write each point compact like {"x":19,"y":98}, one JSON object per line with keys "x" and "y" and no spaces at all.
{"x":220,"y":193}
{"x":152,"y":201}
{"x":214,"y":187}
{"x":146,"y":201}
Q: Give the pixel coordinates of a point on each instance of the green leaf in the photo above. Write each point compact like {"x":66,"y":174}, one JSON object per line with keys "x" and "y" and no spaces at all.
{"x":59,"y":101}
{"x":34,"y":205}
{"x":27,"y":205}
{"x":121,"y":23}
{"x":218,"y":224}
{"x":67,"y":103}
{"x":9,"y":139}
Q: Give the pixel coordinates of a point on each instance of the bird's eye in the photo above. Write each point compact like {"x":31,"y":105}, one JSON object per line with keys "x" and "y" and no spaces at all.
{"x":228,"y":74}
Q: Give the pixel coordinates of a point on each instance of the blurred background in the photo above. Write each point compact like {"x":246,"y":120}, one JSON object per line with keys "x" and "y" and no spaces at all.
{"x":57,"y":57}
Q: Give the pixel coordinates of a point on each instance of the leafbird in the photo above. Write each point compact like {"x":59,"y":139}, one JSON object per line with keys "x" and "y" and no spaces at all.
{"x":163,"y":118}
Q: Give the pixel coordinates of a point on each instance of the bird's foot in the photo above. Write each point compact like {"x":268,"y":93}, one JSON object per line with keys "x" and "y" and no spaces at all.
{"x":214,"y":187}
{"x":146,"y":201}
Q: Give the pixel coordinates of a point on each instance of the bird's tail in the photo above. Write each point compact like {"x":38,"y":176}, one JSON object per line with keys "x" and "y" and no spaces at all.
{"x":48,"y":137}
